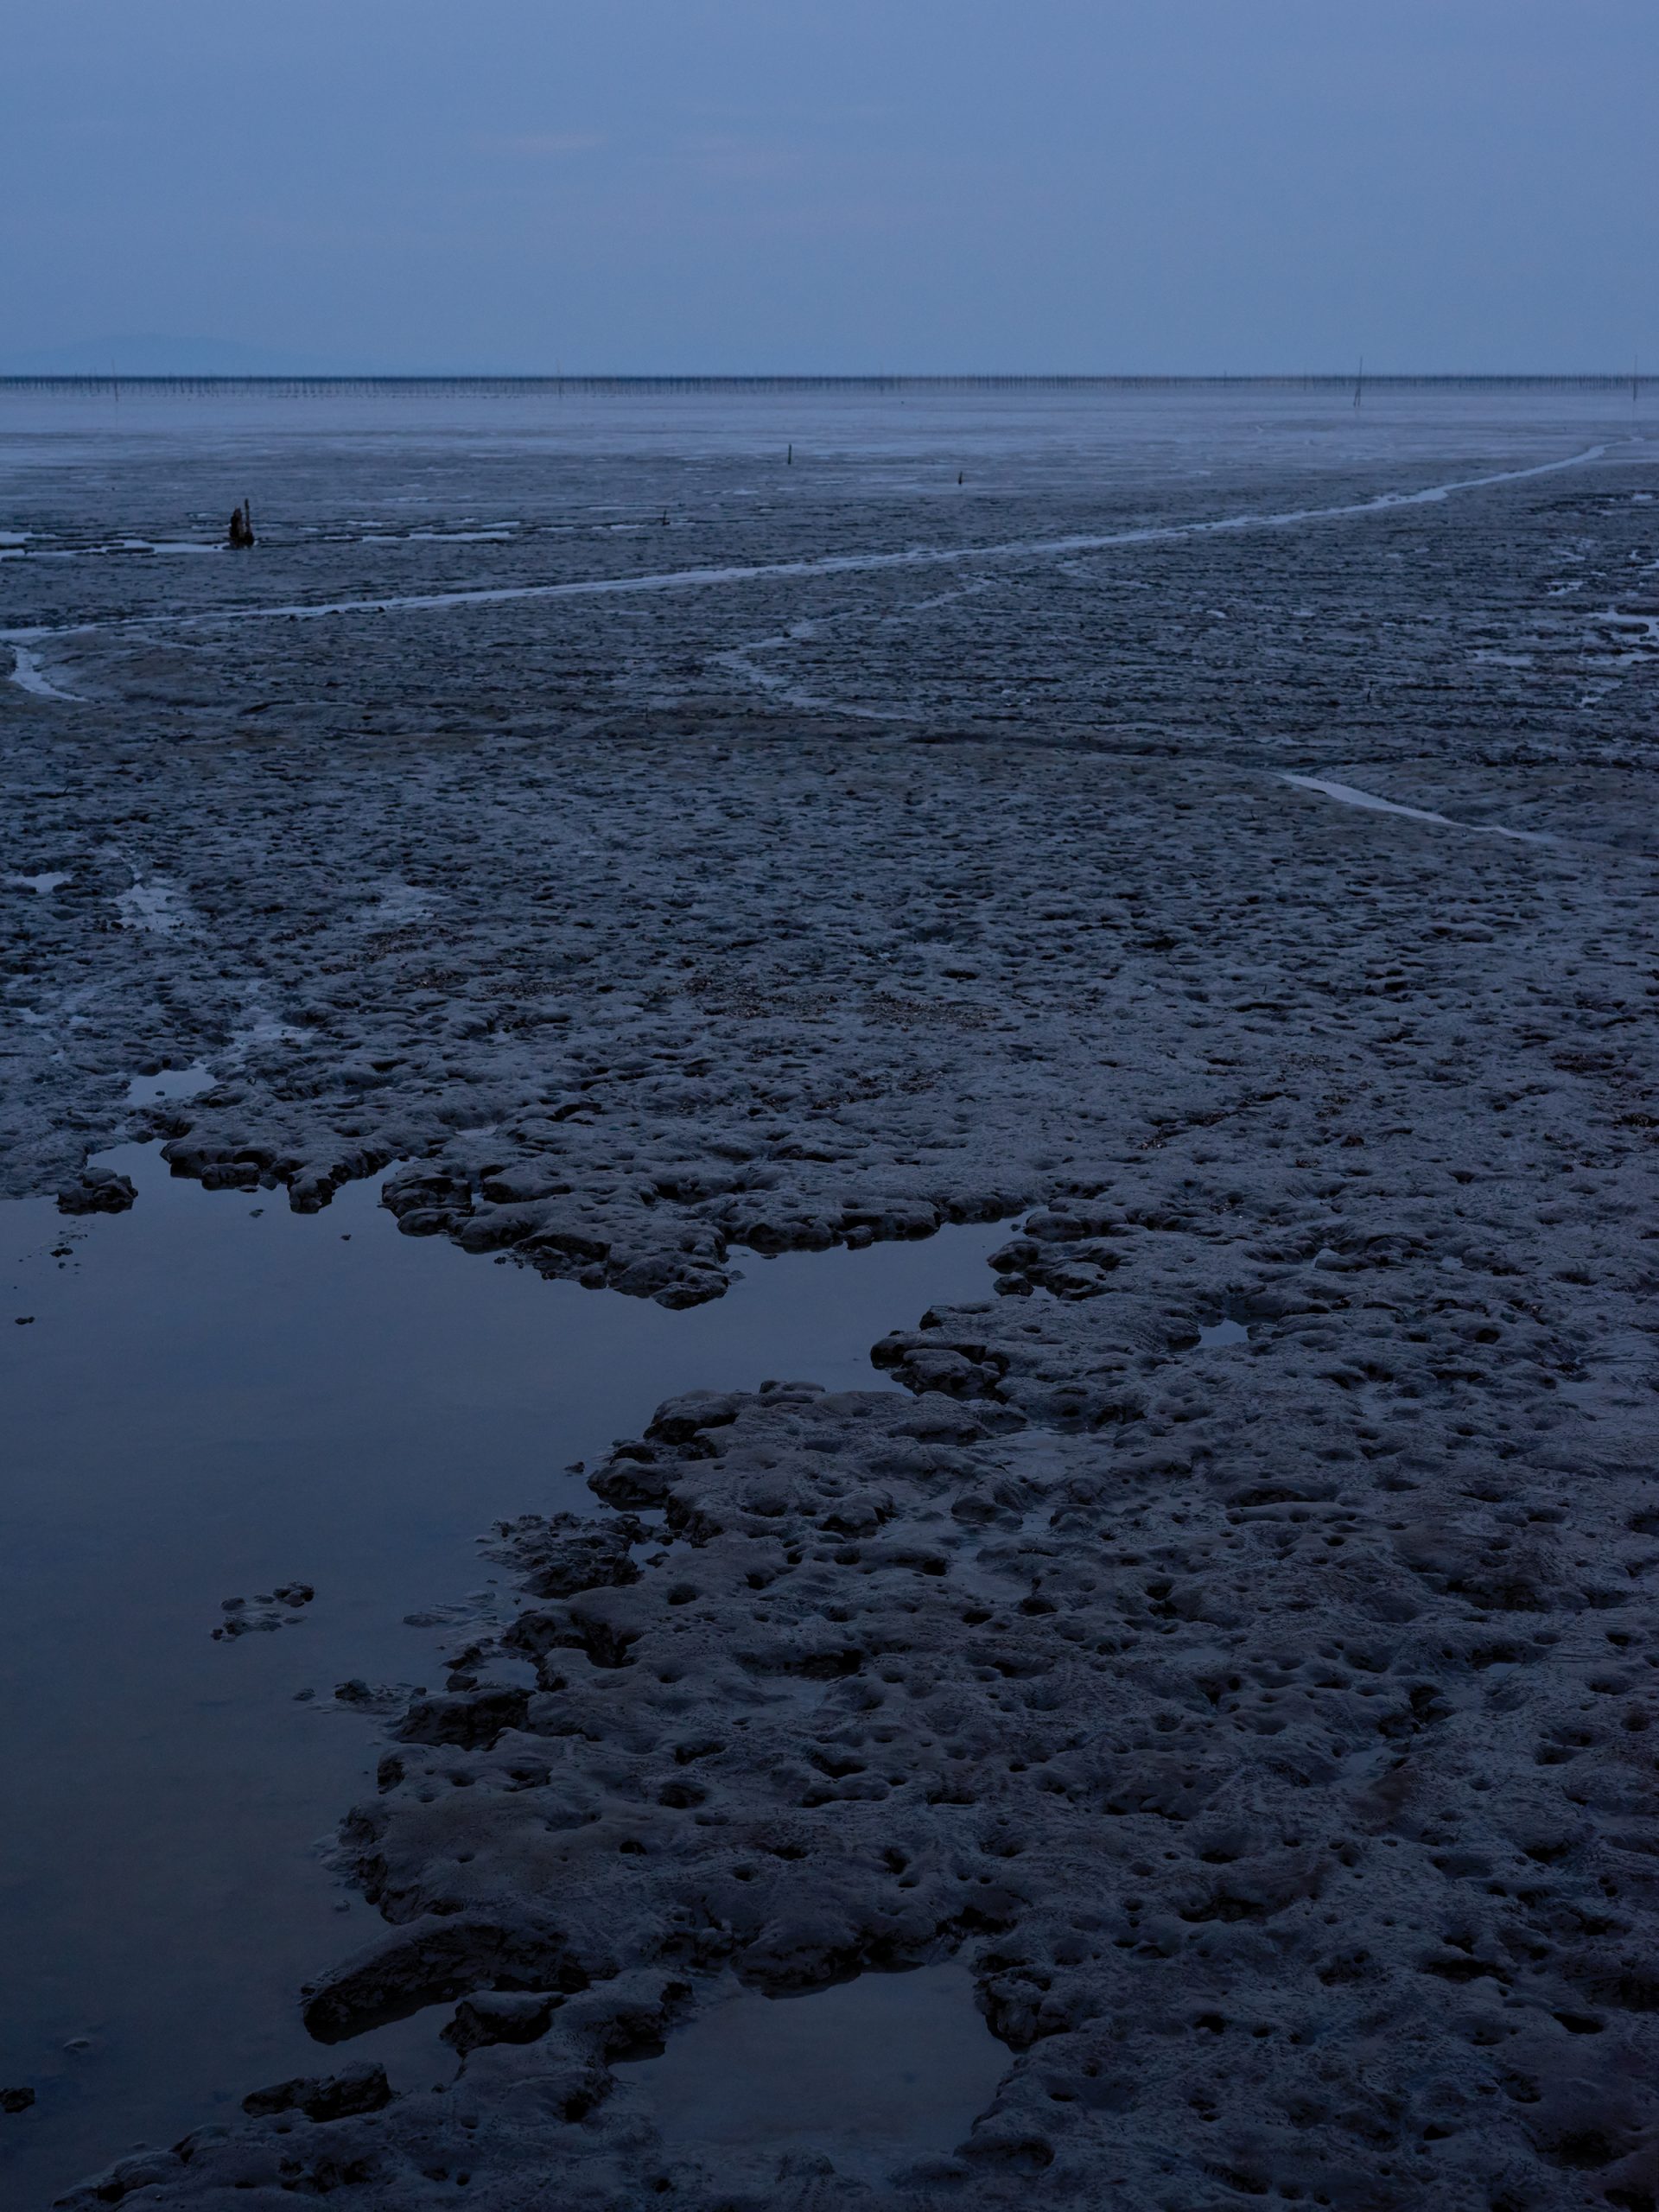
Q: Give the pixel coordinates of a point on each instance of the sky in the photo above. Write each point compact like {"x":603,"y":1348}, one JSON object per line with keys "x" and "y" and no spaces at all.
{"x":725,"y":187}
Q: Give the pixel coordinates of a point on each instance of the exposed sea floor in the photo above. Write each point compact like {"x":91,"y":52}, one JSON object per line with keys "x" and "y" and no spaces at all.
{"x":1186,"y":1744}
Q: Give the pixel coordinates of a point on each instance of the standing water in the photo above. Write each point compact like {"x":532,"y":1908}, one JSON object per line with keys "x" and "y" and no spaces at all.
{"x":211,"y":1398}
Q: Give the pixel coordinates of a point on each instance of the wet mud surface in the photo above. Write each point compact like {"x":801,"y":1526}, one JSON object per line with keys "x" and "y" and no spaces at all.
{"x":1261,"y":1719}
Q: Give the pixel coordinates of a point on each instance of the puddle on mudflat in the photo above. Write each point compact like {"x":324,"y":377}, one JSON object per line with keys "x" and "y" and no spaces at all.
{"x":168,"y":1083}
{"x":1225,"y":1332}
{"x":217,"y":1397}
{"x":871,"y":2074}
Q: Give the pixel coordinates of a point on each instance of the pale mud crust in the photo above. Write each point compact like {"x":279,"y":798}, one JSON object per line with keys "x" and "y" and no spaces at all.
{"x":1265,"y":1725}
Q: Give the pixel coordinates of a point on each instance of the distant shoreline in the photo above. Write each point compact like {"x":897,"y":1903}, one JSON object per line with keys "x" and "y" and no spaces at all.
{"x":1345,"y":381}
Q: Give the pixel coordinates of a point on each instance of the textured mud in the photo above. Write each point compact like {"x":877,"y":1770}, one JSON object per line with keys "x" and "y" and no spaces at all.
{"x":1265,"y":1724}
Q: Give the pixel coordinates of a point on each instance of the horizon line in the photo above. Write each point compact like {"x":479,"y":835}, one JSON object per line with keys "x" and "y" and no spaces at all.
{"x":1344,"y":380}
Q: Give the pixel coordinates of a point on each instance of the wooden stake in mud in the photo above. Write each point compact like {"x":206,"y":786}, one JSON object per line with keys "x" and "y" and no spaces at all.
{"x":242,"y":525}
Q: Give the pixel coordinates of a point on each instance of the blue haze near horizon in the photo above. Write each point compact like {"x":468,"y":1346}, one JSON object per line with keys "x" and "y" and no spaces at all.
{"x":900,"y":186}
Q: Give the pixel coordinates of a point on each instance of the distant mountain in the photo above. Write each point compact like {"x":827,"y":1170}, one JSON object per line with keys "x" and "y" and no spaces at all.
{"x":154,"y":355}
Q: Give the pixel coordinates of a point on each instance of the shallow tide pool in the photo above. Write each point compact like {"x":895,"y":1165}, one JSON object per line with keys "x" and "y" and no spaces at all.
{"x":896,"y":2065}
{"x":210,"y":1397}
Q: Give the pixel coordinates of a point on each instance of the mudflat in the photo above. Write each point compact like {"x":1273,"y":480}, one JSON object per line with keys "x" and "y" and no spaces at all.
{"x":1212,"y":834}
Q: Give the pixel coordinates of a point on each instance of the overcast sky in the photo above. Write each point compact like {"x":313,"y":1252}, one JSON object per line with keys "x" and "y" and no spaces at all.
{"x":846,"y":185}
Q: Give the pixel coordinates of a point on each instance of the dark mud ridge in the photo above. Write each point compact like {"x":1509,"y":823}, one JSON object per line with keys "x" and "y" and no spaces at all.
{"x":1285,"y":1782}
